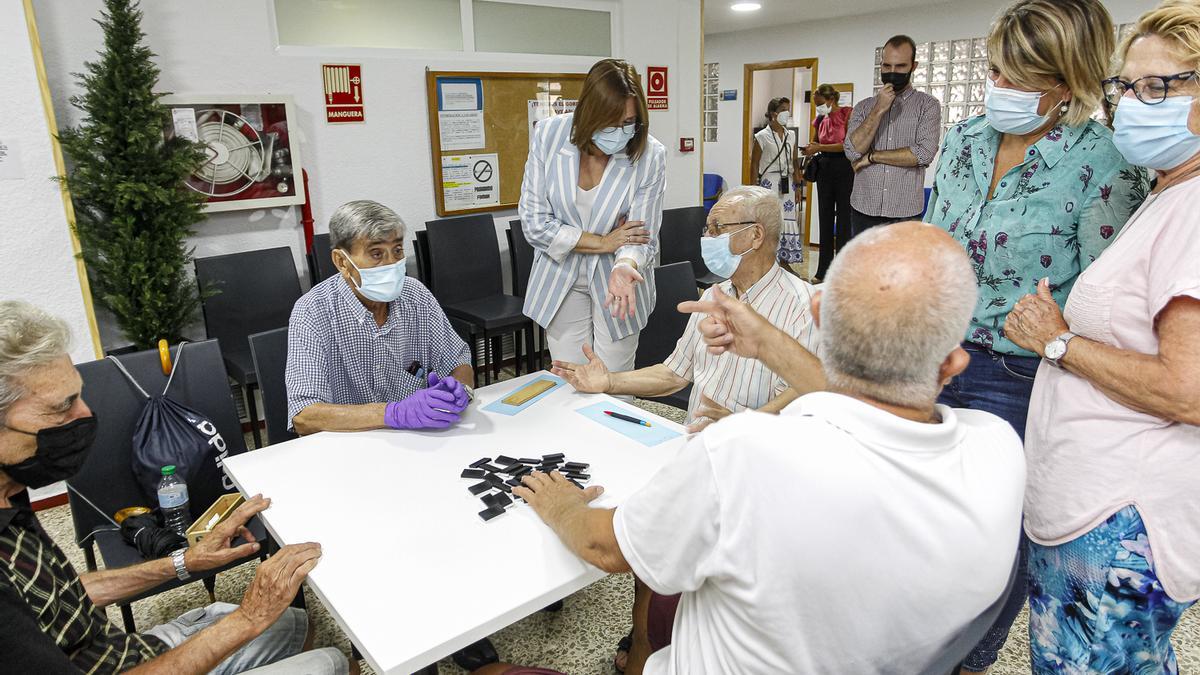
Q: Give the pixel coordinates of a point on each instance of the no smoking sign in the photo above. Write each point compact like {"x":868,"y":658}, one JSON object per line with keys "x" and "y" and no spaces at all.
{"x":656,"y":91}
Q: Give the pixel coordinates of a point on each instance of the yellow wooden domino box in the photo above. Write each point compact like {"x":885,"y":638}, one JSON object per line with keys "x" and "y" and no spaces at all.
{"x":528,"y":392}
{"x":214,"y":516}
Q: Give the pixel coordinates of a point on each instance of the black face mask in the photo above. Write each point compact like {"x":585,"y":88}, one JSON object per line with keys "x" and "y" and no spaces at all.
{"x":61,"y":451}
{"x":898,"y":80}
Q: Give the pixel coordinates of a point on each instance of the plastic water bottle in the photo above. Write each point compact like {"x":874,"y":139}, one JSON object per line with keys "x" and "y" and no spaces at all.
{"x":173,"y":500}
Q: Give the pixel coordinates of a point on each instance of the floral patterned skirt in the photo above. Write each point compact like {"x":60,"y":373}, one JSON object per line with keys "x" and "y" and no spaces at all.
{"x":791,"y":248}
{"x":1096,"y":604}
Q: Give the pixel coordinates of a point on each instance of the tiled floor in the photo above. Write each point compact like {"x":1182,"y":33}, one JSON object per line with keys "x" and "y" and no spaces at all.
{"x":579,"y":640}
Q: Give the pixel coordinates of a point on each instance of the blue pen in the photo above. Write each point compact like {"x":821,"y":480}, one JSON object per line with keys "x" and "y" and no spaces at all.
{"x":626,"y":418}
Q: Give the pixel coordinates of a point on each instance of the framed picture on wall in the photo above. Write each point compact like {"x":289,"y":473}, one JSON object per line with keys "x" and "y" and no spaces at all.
{"x":253,"y":160}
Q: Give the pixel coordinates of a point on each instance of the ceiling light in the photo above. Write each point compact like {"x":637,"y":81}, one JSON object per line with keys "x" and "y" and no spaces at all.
{"x":745,"y":6}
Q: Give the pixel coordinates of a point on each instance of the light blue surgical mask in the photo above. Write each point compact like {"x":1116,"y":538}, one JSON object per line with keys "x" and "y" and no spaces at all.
{"x":717,"y":255}
{"x":382,"y":283}
{"x":612,"y":140}
{"x":1155,"y":136}
{"x":1011,"y":111}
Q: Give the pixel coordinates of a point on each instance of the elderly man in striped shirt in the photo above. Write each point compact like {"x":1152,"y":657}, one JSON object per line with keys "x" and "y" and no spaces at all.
{"x":741,"y":240}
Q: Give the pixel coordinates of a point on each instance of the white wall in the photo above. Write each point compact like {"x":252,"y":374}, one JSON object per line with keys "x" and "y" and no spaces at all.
{"x":227,"y":47}
{"x":36,"y":264}
{"x":845,"y":49}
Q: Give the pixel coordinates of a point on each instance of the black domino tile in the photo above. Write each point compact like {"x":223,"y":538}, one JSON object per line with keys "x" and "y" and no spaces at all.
{"x":474,"y":473}
{"x":480,"y":462}
{"x":491,"y":512}
{"x":480,"y":487}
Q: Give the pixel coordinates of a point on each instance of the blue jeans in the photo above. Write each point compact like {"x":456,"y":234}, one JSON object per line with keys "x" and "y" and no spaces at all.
{"x":275,"y":652}
{"x":999,"y":384}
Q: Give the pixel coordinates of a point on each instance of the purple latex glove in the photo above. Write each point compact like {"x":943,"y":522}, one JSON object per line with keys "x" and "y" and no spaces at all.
{"x":425,"y":409}
{"x":453,"y":387}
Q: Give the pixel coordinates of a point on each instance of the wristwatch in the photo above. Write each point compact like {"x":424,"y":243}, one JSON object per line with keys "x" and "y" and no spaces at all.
{"x":1056,"y":349}
{"x":181,"y":570}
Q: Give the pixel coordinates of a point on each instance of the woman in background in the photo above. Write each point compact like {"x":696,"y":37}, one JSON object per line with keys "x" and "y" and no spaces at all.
{"x":835,"y":179}
{"x":774,"y":158}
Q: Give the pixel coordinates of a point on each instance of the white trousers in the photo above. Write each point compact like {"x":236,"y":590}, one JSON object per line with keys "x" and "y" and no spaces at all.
{"x":579,"y":321}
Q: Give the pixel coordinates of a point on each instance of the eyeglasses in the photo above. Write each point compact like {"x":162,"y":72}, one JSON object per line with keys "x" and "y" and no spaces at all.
{"x":1150,"y":90}
{"x":631,"y":128}
{"x":714,"y":229}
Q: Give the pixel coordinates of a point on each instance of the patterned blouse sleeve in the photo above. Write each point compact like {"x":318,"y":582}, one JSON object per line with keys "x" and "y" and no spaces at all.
{"x":1111,"y":201}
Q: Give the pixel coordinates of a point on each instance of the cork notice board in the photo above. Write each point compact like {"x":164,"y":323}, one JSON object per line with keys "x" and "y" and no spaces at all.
{"x":479,"y":126}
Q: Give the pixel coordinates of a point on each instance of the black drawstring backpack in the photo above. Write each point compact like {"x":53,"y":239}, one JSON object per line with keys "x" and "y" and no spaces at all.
{"x":170,"y":433}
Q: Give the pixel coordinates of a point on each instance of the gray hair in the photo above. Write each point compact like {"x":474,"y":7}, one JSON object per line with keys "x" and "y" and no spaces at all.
{"x":29,"y":337}
{"x":363,"y":219}
{"x":760,"y":205}
{"x":888,"y":323}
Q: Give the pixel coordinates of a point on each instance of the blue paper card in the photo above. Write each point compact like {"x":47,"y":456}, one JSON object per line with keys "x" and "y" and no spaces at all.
{"x":499,"y":406}
{"x":647,"y":436}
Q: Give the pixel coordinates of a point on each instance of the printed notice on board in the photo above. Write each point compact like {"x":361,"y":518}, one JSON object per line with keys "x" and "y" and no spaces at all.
{"x":461,"y":130}
{"x":460,"y":113}
{"x":543,"y":110}
{"x":470,"y":181}
{"x":10,"y":160}
{"x":184,"y":120}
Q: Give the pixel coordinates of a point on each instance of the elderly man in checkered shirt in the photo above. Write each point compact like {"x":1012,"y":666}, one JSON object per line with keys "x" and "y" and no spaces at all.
{"x":370,"y":348}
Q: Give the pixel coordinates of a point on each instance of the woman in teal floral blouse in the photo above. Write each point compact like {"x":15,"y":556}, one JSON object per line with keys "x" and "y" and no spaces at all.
{"x":1033,"y":188}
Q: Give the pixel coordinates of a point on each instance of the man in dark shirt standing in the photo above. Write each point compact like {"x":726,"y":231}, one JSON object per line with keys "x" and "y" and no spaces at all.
{"x":51,"y":619}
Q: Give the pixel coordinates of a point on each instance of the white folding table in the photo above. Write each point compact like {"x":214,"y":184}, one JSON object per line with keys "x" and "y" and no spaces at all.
{"x":408,"y":570}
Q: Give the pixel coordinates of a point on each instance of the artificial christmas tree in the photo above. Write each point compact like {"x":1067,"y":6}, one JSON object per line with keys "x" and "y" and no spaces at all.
{"x":133,"y":213}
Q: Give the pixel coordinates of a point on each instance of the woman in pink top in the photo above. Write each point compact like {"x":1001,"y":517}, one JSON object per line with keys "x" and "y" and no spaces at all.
{"x":1112,"y":504}
{"x":836,"y":178}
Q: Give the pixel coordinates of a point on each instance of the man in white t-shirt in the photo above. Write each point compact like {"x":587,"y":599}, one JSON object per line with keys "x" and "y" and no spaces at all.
{"x":862,"y":530}
{"x":741,"y":241}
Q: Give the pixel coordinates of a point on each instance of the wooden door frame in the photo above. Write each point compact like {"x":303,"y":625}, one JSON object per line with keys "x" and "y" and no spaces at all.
{"x":747,"y":127}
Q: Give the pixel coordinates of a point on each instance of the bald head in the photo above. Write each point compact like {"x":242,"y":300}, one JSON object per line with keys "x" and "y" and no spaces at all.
{"x":897,"y":301}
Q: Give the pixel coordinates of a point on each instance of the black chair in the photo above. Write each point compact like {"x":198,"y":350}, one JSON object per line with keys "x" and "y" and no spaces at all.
{"x":106,"y":479}
{"x":464,"y":266}
{"x":255,"y":292}
{"x":520,"y":254}
{"x":269,"y":352}
{"x":666,"y":324}
{"x":322,"y":262}
{"x":421,"y":249}
{"x":679,"y":240}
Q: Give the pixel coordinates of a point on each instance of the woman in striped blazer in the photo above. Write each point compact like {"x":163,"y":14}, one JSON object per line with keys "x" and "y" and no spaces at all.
{"x":591,"y":205}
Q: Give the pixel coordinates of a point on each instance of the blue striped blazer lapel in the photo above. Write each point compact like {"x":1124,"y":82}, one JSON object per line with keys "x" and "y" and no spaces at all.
{"x":565,"y":173}
{"x":614,"y":191}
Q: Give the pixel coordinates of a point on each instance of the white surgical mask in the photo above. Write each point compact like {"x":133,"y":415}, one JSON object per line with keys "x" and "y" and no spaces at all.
{"x":382,"y":283}
{"x":718,"y":257}
{"x":1155,"y":136}
{"x":1011,"y":111}
{"x":611,"y":140}
{"x":784,"y":118}
{"x":823,"y":109}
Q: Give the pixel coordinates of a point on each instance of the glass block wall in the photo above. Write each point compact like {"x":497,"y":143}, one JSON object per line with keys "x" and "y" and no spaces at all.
{"x":711,"y":74}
